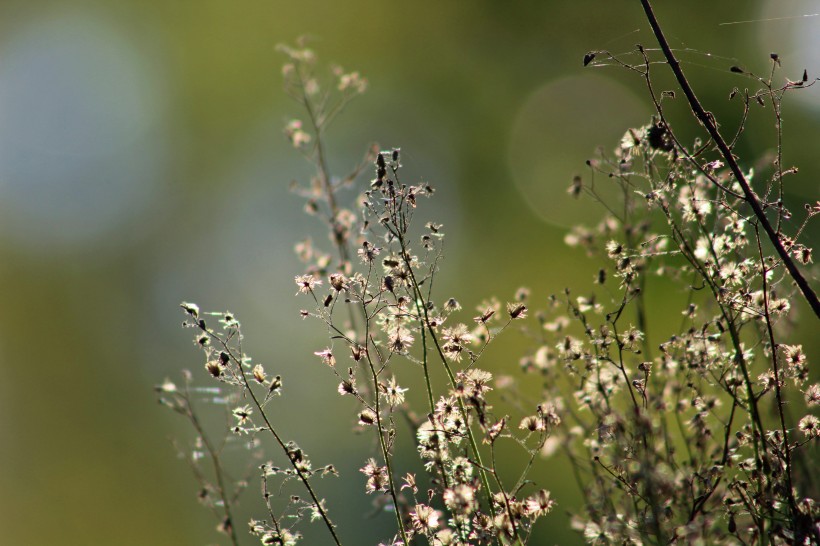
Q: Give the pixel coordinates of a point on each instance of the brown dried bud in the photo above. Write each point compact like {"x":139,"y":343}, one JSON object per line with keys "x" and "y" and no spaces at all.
{"x":517,"y":311}
{"x":214,"y":368}
{"x":356,"y":350}
{"x":487,"y":315}
{"x":275,"y":384}
{"x":576,"y":186}
{"x":190,"y":308}
{"x":367,"y":417}
{"x":337,"y":281}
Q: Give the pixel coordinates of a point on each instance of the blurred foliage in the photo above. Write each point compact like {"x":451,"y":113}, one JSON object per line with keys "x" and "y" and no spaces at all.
{"x":142,"y":163}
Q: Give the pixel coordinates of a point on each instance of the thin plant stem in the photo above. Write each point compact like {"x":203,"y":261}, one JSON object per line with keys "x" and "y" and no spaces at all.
{"x":269,"y":426}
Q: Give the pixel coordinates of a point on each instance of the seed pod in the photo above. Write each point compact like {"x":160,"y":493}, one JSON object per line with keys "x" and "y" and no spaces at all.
{"x":214,"y":368}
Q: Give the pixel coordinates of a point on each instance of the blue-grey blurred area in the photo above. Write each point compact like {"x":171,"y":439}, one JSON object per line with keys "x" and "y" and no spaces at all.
{"x":142,"y":163}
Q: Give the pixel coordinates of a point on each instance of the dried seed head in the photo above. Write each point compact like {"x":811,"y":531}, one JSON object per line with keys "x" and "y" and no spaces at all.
{"x":485,"y":316}
{"x":659,"y":137}
{"x":575,"y":188}
{"x":190,"y":308}
{"x":517,"y":311}
{"x":337,"y":282}
{"x":388,"y":283}
{"x":214,"y":368}
{"x":327,"y":357}
{"x":367,"y":417}
{"x":346,"y":387}
{"x":275,"y":385}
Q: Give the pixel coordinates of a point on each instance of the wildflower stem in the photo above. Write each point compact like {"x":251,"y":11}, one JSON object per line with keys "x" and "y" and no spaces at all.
{"x":302,"y":476}
{"x":380,"y":433}
{"x":217,"y":464}
{"x":777,"y":387}
{"x":425,"y":360}
{"x":471,"y":438}
{"x":507,"y":506}
{"x":299,"y":472}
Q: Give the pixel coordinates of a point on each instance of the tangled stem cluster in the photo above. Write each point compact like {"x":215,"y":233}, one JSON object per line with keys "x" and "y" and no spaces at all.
{"x":699,"y":434}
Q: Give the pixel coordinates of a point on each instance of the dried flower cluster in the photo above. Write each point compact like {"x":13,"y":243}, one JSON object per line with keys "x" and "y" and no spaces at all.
{"x":702,"y":434}
{"x":704,"y":437}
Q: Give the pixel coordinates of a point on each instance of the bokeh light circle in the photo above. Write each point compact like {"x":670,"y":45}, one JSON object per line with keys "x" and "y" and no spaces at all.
{"x":555,"y":132}
{"x":82,"y":151}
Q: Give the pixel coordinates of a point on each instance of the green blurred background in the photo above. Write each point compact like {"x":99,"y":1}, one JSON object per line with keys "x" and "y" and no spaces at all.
{"x":142,"y":163}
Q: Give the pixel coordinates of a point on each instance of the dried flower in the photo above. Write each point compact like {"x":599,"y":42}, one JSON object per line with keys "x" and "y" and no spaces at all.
{"x":306,"y":283}
{"x":517,"y":310}
{"x":259,"y":374}
{"x":367,"y":417}
{"x":298,"y":137}
{"x":190,"y":308}
{"x":812,"y":395}
{"x":460,"y":499}
{"x":327,"y":357}
{"x":377,"y":479}
{"x":810,"y":426}
{"x":242,"y":414}
{"x":539,"y":504}
{"x":346,"y":387}
{"x":392,"y":392}
{"x":424,"y":518}
{"x":215,"y":367}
